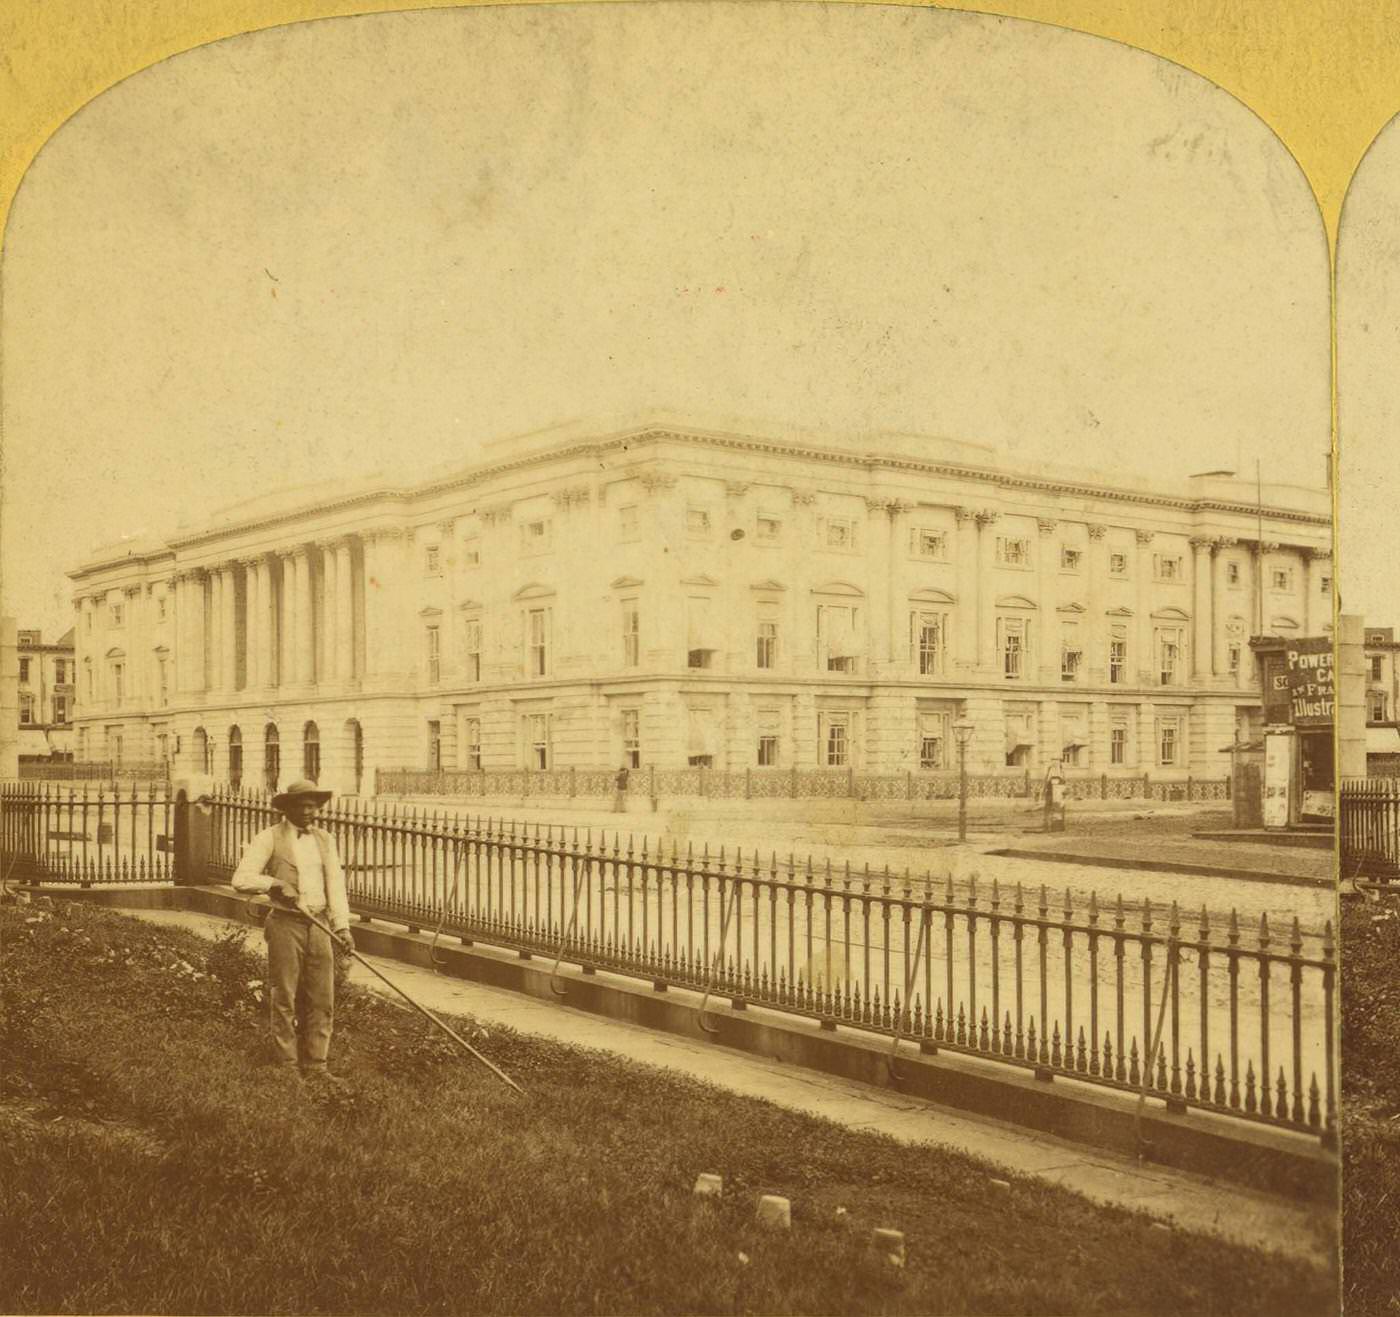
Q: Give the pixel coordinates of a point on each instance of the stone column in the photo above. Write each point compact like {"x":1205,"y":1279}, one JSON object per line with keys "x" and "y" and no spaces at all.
{"x":1144,"y":661}
{"x":254,"y":623}
{"x":304,"y":663}
{"x":1202,"y":659}
{"x":1317,"y":609}
{"x":212,"y":624}
{"x":969,"y":591}
{"x":330,"y":629}
{"x":1096,"y":621}
{"x":1220,"y":641}
{"x":878,"y":563}
{"x":138,"y":652}
{"x":199,"y":645}
{"x":1048,"y":584}
{"x":286,"y":620}
{"x":343,"y":664}
{"x":986,"y":593}
{"x":228,"y":629}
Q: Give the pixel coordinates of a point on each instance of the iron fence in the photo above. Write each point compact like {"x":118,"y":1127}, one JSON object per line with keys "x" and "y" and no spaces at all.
{"x":1369,"y":818}
{"x":155,"y":770}
{"x":1042,"y":985}
{"x":86,"y":836}
{"x":784,"y":783}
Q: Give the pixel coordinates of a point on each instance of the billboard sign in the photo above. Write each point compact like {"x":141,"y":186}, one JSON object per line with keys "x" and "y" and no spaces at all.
{"x":1309,"y":670}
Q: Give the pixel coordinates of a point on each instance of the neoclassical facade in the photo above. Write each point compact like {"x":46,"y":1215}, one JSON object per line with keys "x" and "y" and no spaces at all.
{"x":670,"y":595}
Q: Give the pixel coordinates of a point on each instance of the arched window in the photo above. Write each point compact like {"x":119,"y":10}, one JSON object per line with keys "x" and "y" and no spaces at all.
{"x":201,"y":749}
{"x":235,"y":757}
{"x":357,"y":751}
{"x":311,"y":752}
{"x":272,"y":757}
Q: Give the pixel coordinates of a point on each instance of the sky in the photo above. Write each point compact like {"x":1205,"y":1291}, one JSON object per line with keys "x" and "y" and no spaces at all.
{"x":370,"y":245}
{"x":1368,"y":385}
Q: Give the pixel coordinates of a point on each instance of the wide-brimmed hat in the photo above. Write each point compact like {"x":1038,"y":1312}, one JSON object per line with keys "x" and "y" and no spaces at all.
{"x":303,"y":790}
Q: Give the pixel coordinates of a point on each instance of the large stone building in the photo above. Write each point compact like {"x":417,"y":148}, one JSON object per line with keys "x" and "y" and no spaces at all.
{"x":665,"y":595}
{"x":45,"y":697}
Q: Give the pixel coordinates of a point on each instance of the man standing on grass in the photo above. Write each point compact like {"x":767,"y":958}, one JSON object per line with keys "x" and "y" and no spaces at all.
{"x":296,"y":866}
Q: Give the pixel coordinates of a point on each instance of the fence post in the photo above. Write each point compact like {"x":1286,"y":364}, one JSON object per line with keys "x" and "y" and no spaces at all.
{"x":573,"y":781}
{"x":1103,"y":786}
{"x":194,"y":830}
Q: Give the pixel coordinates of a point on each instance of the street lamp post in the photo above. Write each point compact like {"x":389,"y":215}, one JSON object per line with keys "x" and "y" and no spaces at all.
{"x":963,"y":730}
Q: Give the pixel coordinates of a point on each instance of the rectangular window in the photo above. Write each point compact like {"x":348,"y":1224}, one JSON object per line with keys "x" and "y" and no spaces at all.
{"x":1375,"y":706}
{"x":536,"y":535}
{"x":1170,"y":647}
{"x":471,"y":551}
{"x":1070,"y":559}
{"x":837,"y":638}
{"x":697,"y":523}
{"x":471,"y":648}
{"x":1014,"y":647}
{"x":925,"y":542}
{"x":1071,"y":652}
{"x":627,"y":524}
{"x":838,"y":533}
{"x":471,"y":744}
{"x":1117,"y":564}
{"x":1168,"y":567}
{"x":537,"y":747}
{"x":1075,"y":740}
{"x":26,"y":709}
{"x":91,"y":682}
{"x":632,"y":738}
{"x":89,"y":621}
{"x":60,"y":708}
{"x":24,"y":669}
{"x":769,"y":721}
{"x":1376,"y":667}
{"x":767,"y":644}
{"x":118,"y":614}
{"x":1020,"y":739}
{"x":837,"y":748}
{"x":1233,"y":653}
{"x":1326,"y":584}
{"x":119,"y":682}
{"x":434,"y":746}
{"x":1118,"y":655}
{"x":161,"y":608}
{"x":700,"y":639}
{"x":432,"y":560}
{"x":1013,"y":552}
{"x":1168,"y":742}
{"x":768,"y":529}
{"x":928,"y":636}
{"x":537,"y":642}
{"x":1282,"y":578}
{"x":1232,"y":573}
{"x":631,"y":634}
{"x":60,"y":672}
{"x":1118,"y":745}
{"x":163,"y":679}
{"x":932,"y":742}
{"x":434,"y":638}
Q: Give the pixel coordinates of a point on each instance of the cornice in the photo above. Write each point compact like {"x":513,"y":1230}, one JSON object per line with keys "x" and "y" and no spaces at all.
{"x":592,"y":450}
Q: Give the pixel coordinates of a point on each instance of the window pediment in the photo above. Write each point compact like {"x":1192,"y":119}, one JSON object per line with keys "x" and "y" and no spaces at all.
{"x":626,"y":583}
{"x":430,"y":612}
{"x":767,"y":585}
{"x":1171,"y":615}
{"x":1119,"y":612}
{"x":931,"y":597}
{"x":535,"y":590}
{"x":1016,"y":601}
{"x":844,"y":588}
{"x":1075,"y":610}
{"x":708,"y":581}
{"x":469,"y":606}
{"x":116,"y":653}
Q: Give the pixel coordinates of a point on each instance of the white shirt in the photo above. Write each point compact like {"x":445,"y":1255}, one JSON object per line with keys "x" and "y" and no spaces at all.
{"x":317,"y":889}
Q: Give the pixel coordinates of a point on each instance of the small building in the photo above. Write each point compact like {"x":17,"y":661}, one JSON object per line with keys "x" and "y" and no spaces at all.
{"x":46,"y":693}
{"x":1300,"y":777}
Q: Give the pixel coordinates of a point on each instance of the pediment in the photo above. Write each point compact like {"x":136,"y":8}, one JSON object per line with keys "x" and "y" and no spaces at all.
{"x":708,"y":581}
{"x":625,"y":583}
{"x":1119,"y":612}
{"x":1016,"y":601}
{"x":1077,"y":609}
{"x":535,"y":590}
{"x":1171,"y":615}
{"x":430,"y":612}
{"x":116,"y":652}
{"x":469,"y":606}
{"x":931,"y":596}
{"x":840,"y":588}
{"x":1286,"y":623}
{"x":767,"y":585}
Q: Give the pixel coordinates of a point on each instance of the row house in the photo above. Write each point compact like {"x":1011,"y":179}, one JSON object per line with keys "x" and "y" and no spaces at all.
{"x":667,"y":595}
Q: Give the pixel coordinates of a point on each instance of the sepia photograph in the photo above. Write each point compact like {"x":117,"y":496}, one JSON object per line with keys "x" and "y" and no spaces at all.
{"x":685,"y":657}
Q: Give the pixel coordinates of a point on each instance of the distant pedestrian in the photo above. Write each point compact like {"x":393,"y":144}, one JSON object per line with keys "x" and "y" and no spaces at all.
{"x":295,"y":865}
{"x":620,"y":791}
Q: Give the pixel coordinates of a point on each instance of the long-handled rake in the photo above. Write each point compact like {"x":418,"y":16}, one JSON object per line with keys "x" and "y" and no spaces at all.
{"x":422,"y":1010}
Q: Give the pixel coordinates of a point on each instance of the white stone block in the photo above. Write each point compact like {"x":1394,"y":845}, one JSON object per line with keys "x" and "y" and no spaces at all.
{"x":774,"y":1211}
{"x":708,"y":1186}
{"x":890,"y":1243}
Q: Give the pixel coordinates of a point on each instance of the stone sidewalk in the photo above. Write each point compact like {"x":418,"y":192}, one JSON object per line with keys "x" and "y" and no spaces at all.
{"x":1172,"y":1197}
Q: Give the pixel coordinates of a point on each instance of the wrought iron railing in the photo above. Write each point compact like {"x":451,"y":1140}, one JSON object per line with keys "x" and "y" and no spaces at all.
{"x":1197,"y":1011}
{"x":783,"y":783}
{"x":66,"y":770}
{"x":92,"y":835}
{"x":1369,"y":825}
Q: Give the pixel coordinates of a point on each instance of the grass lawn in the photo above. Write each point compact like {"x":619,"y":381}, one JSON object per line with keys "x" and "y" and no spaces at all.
{"x":1370,"y":1107}
{"x":151,"y":1164}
